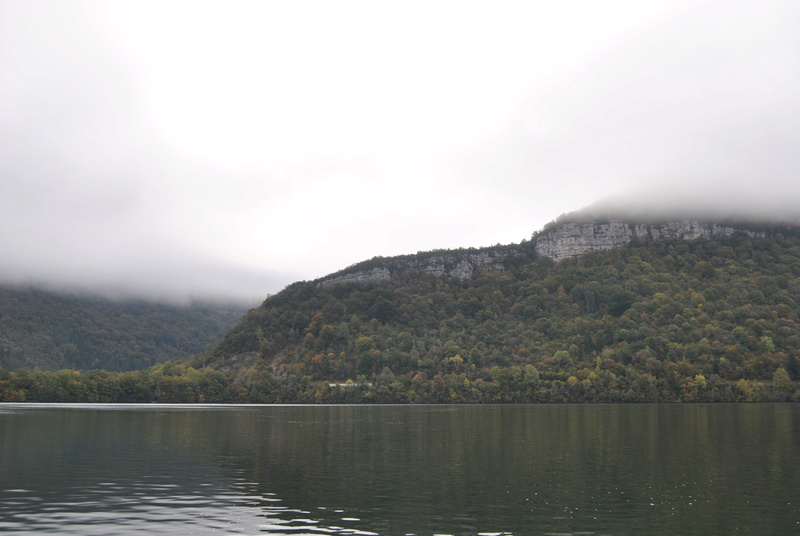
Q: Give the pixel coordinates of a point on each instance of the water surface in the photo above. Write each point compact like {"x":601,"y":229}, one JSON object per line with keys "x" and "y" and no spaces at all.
{"x":423,"y":470}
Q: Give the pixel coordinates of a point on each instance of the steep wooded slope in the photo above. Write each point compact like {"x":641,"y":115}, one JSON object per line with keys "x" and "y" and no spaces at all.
{"x":657,"y":319}
{"x":50,"y":330}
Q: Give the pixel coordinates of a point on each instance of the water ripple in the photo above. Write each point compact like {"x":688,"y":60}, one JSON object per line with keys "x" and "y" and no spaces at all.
{"x":110,"y":508}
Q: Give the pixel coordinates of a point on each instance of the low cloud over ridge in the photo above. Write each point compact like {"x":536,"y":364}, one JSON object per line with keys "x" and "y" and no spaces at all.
{"x":227,"y":150}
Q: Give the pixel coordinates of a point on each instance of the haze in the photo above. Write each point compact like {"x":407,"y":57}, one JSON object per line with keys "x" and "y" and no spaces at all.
{"x":225,"y":149}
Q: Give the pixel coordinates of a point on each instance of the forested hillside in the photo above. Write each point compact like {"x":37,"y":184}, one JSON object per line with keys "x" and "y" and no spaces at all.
{"x":709,"y":319}
{"x":49,"y":330}
{"x":691,"y":320}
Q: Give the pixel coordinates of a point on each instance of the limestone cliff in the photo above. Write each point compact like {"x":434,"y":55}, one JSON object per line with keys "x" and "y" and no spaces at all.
{"x":558,"y":241}
{"x":571,"y":240}
{"x":360,"y":276}
{"x":462,"y":264}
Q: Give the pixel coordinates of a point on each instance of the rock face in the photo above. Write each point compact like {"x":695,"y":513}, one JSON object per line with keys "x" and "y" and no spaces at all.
{"x":564,"y":241}
{"x":462,"y":265}
{"x":362,"y":276}
{"x":572,"y":240}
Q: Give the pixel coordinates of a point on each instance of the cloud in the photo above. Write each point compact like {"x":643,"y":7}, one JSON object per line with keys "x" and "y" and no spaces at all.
{"x":702,"y":102}
{"x":215,"y":148}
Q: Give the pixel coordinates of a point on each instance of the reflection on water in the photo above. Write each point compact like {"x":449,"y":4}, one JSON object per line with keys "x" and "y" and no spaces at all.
{"x":647,"y":469}
{"x":122,"y":510}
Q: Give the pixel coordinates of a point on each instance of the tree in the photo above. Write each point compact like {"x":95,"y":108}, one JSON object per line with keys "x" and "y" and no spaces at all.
{"x":383,"y":310}
{"x":621,"y":301}
{"x":781,"y":380}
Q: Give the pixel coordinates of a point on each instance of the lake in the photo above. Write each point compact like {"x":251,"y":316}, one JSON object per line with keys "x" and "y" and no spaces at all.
{"x":397,"y":470}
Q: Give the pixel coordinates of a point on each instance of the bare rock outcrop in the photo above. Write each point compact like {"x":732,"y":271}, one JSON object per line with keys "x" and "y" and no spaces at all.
{"x":571,"y":240}
{"x":361,"y":276}
{"x":559,"y":242}
{"x":460,"y":264}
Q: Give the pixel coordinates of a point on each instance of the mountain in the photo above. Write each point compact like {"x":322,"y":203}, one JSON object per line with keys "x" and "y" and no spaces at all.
{"x":592,"y":308}
{"x":595,"y":307}
{"x":49,"y":330}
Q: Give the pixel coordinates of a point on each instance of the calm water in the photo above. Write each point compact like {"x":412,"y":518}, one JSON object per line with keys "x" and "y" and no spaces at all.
{"x":423,"y":470}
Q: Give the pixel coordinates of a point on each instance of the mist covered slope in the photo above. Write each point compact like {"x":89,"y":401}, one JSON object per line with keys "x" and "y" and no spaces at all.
{"x":674,"y":319}
{"x":47,"y":330}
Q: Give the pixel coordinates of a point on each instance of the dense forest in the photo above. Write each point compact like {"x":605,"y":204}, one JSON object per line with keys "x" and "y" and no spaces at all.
{"x":48,"y":330}
{"x":704,"y":320}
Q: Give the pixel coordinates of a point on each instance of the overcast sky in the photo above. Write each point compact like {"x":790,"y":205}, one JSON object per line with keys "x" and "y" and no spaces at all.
{"x":197,"y":149}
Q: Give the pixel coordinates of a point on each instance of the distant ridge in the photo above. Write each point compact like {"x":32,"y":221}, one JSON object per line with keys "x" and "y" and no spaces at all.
{"x":601,"y":309}
{"x":571,"y":236}
{"x":51,"y":330}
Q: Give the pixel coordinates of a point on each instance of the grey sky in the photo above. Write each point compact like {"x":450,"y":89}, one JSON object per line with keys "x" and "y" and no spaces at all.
{"x":208,"y":148}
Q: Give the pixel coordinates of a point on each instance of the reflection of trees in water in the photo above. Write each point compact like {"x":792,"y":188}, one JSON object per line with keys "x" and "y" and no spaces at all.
{"x":433,"y":468}
{"x":501,"y":468}
{"x":119,"y":445}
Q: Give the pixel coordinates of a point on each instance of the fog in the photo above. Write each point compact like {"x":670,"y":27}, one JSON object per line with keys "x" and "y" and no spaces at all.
{"x":195,"y":150}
